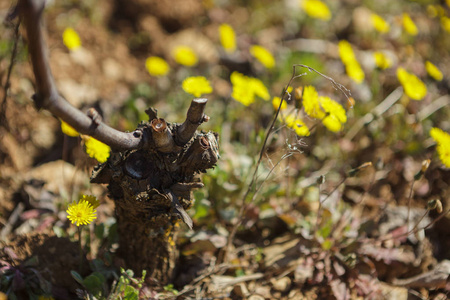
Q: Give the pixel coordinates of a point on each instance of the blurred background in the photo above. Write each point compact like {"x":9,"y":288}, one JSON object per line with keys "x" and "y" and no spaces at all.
{"x":358,"y":178}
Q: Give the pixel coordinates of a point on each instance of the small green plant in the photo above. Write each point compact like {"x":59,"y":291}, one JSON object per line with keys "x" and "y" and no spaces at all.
{"x":23,"y":280}
{"x":171,"y":289}
{"x":128,"y":287}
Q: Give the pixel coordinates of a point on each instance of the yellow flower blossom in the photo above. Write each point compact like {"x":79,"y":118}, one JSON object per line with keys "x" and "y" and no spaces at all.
{"x":298,"y":125}
{"x":92,"y":200}
{"x":445,"y":23}
{"x":276,"y":101}
{"x":433,"y":71}
{"x":81,"y":213}
{"x":97,"y":150}
{"x":409,"y":25}
{"x":156,"y":66}
{"x":243,"y":95}
{"x":197,"y":86}
{"x":354,"y":71}
{"x":442,"y":139}
{"x":43,"y":297}
{"x":431,"y":11}
{"x":68,"y":130}
{"x":382,"y":61}
{"x":435,"y":11}
{"x":311,"y":103}
{"x":379,"y":23}
{"x":71,"y":39}
{"x":352,"y":66}
{"x":316,"y":9}
{"x":331,"y":113}
{"x":259,"y":88}
{"x":227,"y":37}
{"x":413,"y":86}
{"x":246,"y":88}
{"x":185,"y":56}
{"x":336,"y":115}
{"x":263,"y":56}
{"x":346,"y":52}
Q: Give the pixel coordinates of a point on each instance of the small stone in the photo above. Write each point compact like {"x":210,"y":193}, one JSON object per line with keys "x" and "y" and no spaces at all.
{"x":282,"y":284}
{"x":393,"y":292}
{"x":264,"y":291}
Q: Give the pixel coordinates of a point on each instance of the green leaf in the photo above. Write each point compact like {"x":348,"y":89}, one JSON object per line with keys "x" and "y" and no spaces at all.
{"x":201,"y":209}
{"x":327,"y":244}
{"x":99,"y":231}
{"x":77,"y":277}
{"x":131,"y":293}
{"x":94,"y":282}
{"x":97,"y":265}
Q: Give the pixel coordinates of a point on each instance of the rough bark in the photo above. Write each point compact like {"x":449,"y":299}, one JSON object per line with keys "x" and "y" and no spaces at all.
{"x":152,"y":191}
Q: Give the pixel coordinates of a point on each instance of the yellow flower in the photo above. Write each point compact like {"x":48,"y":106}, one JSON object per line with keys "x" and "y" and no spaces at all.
{"x":42,"y":297}
{"x":331,"y":113}
{"x":263,"y":56}
{"x":81,"y":213}
{"x":352,"y":66}
{"x":298,"y":125}
{"x":311,"y":103}
{"x":413,"y":86}
{"x":196,"y":85}
{"x":246,"y":88}
{"x":227,"y":37}
{"x":443,"y":145}
{"x":409,"y":25}
{"x":354,"y":71}
{"x":156,"y":66}
{"x":435,"y":11}
{"x":379,"y":23}
{"x":243,"y":95}
{"x":68,"y":130}
{"x":346,"y":52}
{"x":433,"y":71}
{"x":92,"y":200}
{"x":445,"y":23}
{"x":316,"y":9}
{"x":97,"y":150}
{"x":336,"y":115}
{"x":381,"y":60}
{"x":185,"y":56}
{"x":258,"y":87}
{"x":71,"y":39}
{"x":276,"y":103}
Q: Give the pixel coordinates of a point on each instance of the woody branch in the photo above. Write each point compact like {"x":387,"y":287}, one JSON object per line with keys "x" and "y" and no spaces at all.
{"x":47,"y":96}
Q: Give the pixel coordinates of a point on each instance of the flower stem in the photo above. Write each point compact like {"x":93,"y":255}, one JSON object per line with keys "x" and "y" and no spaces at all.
{"x":81,"y":249}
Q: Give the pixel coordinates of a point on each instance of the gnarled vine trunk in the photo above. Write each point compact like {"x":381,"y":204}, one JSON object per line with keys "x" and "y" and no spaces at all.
{"x":152,"y":190}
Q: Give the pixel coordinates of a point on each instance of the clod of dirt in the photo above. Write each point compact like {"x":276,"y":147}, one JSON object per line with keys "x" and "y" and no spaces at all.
{"x":171,"y":17}
{"x":56,"y":256}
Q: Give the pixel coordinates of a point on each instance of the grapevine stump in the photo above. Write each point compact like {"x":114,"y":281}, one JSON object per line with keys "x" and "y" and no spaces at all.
{"x":152,"y":187}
